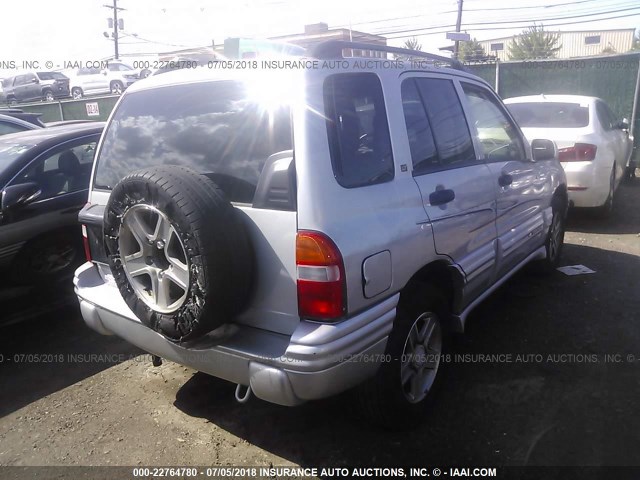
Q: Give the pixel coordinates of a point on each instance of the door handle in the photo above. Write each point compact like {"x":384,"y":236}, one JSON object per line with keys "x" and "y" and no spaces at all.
{"x":505,"y":180}
{"x":440,"y":197}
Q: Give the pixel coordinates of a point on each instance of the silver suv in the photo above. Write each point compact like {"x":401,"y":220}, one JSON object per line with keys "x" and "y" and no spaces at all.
{"x":307,"y":230}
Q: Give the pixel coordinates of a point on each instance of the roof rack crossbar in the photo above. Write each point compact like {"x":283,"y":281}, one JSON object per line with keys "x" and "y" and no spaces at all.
{"x":333,"y":49}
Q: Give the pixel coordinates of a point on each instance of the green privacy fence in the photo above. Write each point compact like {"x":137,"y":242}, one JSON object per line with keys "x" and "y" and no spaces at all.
{"x":91,"y":108}
{"x":613,"y":78}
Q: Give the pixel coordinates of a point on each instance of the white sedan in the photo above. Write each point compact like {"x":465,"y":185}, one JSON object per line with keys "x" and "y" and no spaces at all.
{"x":593,"y":145}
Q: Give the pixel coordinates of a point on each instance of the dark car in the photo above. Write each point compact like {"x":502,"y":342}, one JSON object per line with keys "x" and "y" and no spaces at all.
{"x":35,"y":86}
{"x":44,"y":180}
{"x":10,"y":124}
{"x":31,"y":117}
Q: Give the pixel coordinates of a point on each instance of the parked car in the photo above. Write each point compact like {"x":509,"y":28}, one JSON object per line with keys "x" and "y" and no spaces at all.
{"x":31,"y":117}
{"x":44,"y":179}
{"x":3,"y":98}
{"x":35,"y":86}
{"x":90,"y":81}
{"x":346,"y":267}
{"x":9,"y":124}
{"x":593,"y":145}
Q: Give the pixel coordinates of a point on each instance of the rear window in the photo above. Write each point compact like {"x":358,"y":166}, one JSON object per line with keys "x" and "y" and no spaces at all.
{"x":550,"y":115}
{"x":214,"y":128}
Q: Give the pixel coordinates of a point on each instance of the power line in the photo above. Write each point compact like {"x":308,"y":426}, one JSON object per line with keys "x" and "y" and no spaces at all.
{"x":499,"y":22}
{"x":528,"y":19}
{"x":514,"y":28}
{"x":430,"y":14}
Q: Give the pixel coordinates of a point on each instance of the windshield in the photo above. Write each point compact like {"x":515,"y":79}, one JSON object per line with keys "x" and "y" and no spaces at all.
{"x":51,"y":76}
{"x":214,"y":128}
{"x":550,"y":114}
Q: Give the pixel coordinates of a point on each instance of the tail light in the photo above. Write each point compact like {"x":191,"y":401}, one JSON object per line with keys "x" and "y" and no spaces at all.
{"x":85,"y":242}
{"x":321,"y":279}
{"x":580,"y":152}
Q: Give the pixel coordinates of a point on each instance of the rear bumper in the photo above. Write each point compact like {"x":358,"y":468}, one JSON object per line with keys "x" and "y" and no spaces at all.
{"x":317,"y":361}
{"x":587,"y":183}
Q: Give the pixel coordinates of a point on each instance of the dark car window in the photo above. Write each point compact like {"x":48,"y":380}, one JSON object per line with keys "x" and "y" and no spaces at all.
{"x":119,"y":67}
{"x":550,"y":114}
{"x":358,"y":130}
{"x":424,"y":154}
{"x":447,"y":119}
{"x":64,"y":171}
{"x":51,"y":76}
{"x":215,"y":128}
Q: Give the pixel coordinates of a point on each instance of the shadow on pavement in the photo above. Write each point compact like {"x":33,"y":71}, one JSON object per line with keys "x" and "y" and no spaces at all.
{"x":47,"y":346}
{"x":624,"y":219}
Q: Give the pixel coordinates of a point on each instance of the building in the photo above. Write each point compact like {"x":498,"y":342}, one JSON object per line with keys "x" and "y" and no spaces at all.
{"x":320,"y":32}
{"x":573,"y":44}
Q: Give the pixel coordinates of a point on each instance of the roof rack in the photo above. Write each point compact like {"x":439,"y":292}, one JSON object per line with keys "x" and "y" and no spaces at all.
{"x":333,"y":49}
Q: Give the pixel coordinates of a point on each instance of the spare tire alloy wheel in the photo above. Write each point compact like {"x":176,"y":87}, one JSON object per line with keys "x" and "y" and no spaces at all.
{"x":178,"y":251}
{"x":153,"y":258}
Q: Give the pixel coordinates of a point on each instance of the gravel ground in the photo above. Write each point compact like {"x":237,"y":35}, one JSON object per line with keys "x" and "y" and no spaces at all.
{"x":561,"y":402}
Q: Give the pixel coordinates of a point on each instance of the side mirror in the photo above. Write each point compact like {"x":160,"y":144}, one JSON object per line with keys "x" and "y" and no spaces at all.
{"x":20,"y":195}
{"x":622,"y":124}
{"x":35,"y":80}
{"x":105,"y":71}
{"x":542,"y":149}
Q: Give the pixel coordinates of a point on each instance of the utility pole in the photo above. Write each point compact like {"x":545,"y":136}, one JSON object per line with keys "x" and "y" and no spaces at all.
{"x":458,"y":24}
{"x":116,"y":26}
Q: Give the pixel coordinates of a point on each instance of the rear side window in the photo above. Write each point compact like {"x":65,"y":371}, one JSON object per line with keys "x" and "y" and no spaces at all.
{"x":358,"y":130}
{"x":550,"y":114}
{"x":447,"y":120}
{"x":424,"y":154}
{"x":606,"y":117}
{"x":215,"y":128}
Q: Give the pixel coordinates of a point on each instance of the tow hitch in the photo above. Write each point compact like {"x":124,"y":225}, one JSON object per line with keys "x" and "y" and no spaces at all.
{"x":244,"y":398}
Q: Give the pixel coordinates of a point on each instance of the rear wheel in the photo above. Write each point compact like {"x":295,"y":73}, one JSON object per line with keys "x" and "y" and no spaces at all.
{"x":398,"y":396}
{"x":76,"y":93}
{"x":116,"y":87}
{"x":47,"y":96}
{"x":49,"y":259}
{"x":606,"y":210}
{"x":12,"y":101}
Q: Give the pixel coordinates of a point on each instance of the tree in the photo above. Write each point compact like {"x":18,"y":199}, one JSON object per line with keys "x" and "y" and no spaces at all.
{"x":635,"y":46}
{"x":471,"y":51}
{"x":412,"y":44}
{"x":534,"y":43}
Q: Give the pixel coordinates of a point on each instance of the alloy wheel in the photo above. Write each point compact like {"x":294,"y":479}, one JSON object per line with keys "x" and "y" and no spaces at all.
{"x":421,"y":357}
{"x":154,"y":258}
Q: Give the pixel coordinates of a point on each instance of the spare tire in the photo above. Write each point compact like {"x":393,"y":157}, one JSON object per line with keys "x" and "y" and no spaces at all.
{"x":178,"y":251}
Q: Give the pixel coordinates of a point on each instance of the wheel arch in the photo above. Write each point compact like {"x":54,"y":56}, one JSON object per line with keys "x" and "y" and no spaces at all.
{"x":443,"y":275}
{"x":560,"y":198}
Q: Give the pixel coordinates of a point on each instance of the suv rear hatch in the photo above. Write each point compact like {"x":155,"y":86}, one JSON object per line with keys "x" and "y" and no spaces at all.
{"x":219,"y":130}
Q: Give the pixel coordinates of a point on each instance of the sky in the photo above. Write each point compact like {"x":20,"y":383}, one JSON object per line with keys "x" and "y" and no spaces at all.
{"x":73,"y":30}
